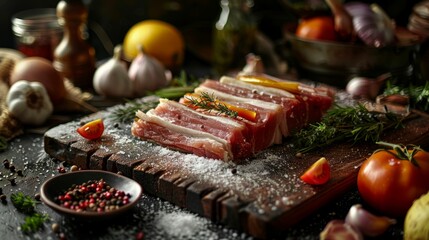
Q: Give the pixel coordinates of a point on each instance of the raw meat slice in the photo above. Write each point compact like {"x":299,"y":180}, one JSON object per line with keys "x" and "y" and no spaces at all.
{"x":295,"y":111}
{"x":235,"y":133}
{"x":153,"y":128}
{"x":267,"y":127}
{"x":177,"y":126}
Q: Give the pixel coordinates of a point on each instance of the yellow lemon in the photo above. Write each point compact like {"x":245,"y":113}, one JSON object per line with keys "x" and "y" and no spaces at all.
{"x":159,"y":39}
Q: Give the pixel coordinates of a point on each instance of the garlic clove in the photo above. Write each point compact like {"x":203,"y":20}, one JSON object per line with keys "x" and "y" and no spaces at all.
{"x":146,"y":74}
{"x":111,"y":78}
{"x":367,"y":223}
{"x":340,"y":230}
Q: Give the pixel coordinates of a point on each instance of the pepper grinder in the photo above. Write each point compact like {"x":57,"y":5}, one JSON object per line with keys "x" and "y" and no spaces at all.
{"x":74,"y":57}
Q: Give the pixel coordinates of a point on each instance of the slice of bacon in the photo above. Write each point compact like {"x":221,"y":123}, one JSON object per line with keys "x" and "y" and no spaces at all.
{"x":294,"y":110}
{"x":267,"y":126}
{"x":234,"y":136}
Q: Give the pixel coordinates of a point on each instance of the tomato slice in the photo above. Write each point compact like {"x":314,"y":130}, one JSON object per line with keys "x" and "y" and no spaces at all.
{"x":92,"y":130}
{"x":319,"y":173}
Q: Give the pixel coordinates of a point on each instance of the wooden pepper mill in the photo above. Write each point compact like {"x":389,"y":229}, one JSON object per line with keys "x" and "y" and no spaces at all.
{"x":74,"y":57}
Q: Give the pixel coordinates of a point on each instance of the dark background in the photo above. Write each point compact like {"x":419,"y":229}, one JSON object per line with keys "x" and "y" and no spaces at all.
{"x":117,"y":16}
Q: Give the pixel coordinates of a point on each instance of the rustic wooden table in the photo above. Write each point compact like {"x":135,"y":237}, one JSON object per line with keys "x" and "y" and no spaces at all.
{"x":153,"y":217}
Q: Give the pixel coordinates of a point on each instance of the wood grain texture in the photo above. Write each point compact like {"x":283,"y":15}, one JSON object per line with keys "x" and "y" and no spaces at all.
{"x":263,"y":197}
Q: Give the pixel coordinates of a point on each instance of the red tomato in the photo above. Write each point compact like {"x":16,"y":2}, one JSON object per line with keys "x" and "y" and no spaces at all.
{"x":317,"y":28}
{"x":92,"y":130}
{"x":391,"y":183}
{"x":319,"y":173}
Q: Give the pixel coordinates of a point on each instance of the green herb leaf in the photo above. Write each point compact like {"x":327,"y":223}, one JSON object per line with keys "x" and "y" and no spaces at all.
{"x":34,"y":222}
{"x":127,"y":112}
{"x":345,"y":123}
{"x":23,"y":203}
{"x":209,"y":103}
{"x":419,"y":95}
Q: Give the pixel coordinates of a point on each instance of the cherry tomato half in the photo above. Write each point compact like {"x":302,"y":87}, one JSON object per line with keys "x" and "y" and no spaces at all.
{"x":390,"y":183}
{"x":92,"y":130}
{"x":319,"y":173}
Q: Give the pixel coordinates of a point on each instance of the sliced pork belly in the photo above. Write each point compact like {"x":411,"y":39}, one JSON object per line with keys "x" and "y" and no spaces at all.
{"x":174,"y":125}
{"x":295,"y":111}
{"x":318,"y":100}
{"x":269,"y":118}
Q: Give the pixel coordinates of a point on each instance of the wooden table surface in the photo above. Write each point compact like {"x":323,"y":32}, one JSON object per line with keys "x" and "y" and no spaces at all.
{"x":153,"y":217}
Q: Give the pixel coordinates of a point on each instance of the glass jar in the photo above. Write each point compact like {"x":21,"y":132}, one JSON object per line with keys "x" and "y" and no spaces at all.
{"x":37,"y":32}
{"x":234,"y":35}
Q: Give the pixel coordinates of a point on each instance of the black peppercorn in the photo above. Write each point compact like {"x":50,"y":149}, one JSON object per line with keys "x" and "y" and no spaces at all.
{"x":6,"y":163}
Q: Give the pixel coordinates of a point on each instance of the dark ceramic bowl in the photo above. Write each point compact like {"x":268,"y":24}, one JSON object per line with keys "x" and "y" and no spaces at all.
{"x":54,"y":186}
{"x":341,"y":61}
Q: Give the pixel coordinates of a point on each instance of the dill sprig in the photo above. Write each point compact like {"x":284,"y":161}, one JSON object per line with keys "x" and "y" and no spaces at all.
{"x":419,"y":95}
{"x":128,"y":112}
{"x":34,"y":222}
{"x":23,"y":203}
{"x":209,"y":103}
{"x":345,"y":123}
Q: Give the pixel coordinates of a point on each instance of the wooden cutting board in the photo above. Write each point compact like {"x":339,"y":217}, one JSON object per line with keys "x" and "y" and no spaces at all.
{"x":263,"y":197}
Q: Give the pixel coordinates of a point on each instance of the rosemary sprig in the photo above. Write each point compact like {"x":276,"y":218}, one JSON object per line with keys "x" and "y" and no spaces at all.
{"x":209,"y":103}
{"x":23,"y":203}
{"x":345,"y":123}
{"x":128,"y":112}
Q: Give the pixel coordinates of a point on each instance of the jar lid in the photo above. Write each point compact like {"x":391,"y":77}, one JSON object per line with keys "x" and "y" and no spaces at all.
{"x":35,"y":19}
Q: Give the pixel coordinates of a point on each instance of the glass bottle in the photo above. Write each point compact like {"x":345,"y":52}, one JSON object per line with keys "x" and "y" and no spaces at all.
{"x":74,"y":57}
{"x":234,"y":35}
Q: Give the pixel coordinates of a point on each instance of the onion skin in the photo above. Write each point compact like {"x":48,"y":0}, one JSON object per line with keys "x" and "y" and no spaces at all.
{"x":371,"y":24}
{"x":37,"y":69}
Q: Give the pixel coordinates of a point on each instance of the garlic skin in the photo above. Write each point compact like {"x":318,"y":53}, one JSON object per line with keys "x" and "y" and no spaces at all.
{"x":29,"y":102}
{"x":366,"y":88}
{"x":146,"y":74}
{"x":111,"y":78}
{"x":367,"y":223}
{"x":340,"y":230}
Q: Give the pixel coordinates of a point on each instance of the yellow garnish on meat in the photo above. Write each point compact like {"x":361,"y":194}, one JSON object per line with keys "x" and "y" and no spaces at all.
{"x":267,"y":82}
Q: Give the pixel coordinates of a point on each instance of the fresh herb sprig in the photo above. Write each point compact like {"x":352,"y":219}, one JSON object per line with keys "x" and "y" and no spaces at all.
{"x":419,"y":95}
{"x":26,"y":204}
{"x":23,"y":203}
{"x":345,"y":123}
{"x":209,"y":103}
{"x":127,"y":112}
{"x":34,"y":222}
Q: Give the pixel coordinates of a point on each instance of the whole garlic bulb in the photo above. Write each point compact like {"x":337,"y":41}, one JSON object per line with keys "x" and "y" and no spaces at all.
{"x":111,"y":78}
{"x":146,"y":74}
